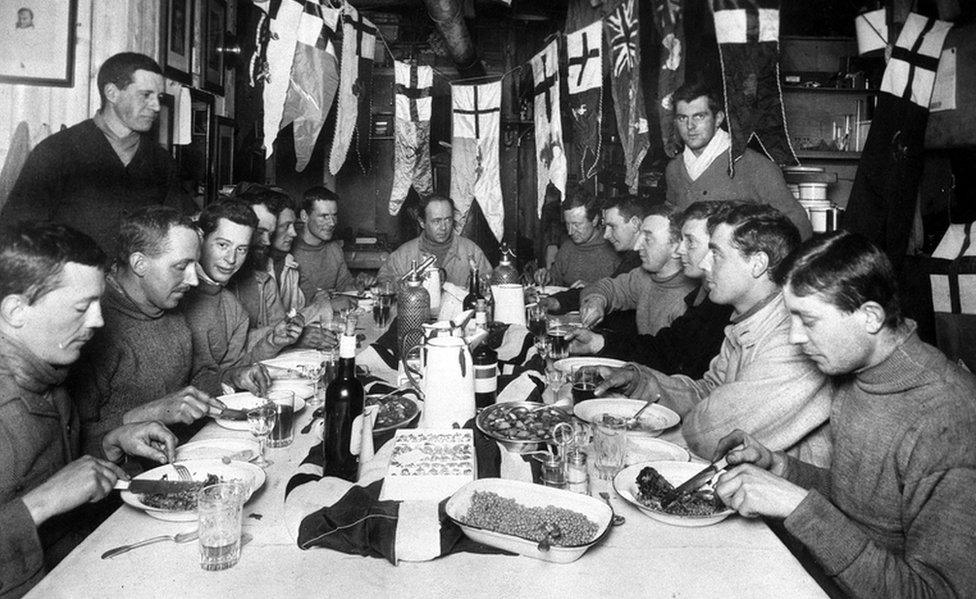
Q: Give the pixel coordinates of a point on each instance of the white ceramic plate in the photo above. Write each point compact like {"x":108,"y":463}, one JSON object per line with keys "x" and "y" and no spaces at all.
{"x":214,"y":449}
{"x":529,"y":495}
{"x":655,"y":419}
{"x":252,"y":475}
{"x":625,"y":484}
{"x":246,"y":401}
{"x":551,"y":289}
{"x":567,"y":365}
{"x":300,"y":360}
{"x":641,"y":448}
{"x":302,"y":388}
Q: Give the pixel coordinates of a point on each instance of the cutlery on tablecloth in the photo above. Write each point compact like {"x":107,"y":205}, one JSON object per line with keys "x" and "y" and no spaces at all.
{"x":182,"y":537}
{"x":695,"y":482}
{"x":615,"y":519}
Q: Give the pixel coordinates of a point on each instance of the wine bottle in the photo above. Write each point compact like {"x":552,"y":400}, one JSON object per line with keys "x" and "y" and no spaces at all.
{"x":485,"y":361}
{"x":343,"y":402}
{"x":474,"y":291}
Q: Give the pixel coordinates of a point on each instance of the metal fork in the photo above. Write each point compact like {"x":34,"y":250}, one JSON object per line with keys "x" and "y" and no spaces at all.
{"x":182,"y":537}
{"x":183,"y":472}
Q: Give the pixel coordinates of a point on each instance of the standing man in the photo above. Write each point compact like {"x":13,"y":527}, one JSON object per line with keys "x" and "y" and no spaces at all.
{"x":586,"y":256}
{"x":759,"y":381}
{"x":88,"y":175}
{"x":321,"y":263}
{"x":137,"y":367}
{"x":454,"y":253}
{"x":656,"y":290}
{"x":893,"y":515}
{"x":701,"y":173}
{"x":51,"y":278}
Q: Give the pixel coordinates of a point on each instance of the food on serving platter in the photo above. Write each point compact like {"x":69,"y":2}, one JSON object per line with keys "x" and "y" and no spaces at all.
{"x":394,"y":410}
{"x":560,"y":526}
{"x":652,"y":487}
{"x":521,"y":423}
{"x":182,"y":501}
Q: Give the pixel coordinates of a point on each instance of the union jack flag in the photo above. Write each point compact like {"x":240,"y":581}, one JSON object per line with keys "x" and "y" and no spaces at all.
{"x":623,"y":39}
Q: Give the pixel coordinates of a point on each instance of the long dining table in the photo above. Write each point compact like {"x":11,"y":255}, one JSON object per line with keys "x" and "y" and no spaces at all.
{"x":737,"y":557}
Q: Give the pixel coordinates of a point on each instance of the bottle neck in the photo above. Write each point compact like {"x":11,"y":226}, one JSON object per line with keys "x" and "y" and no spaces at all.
{"x":347,"y":368}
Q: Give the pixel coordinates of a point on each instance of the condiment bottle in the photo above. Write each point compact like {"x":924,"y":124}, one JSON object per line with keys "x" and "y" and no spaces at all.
{"x":485,"y":361}
{"x":577,"y":478}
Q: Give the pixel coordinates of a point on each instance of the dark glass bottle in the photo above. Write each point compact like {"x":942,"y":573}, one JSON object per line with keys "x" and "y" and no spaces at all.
{"x":474,"y":291}
{"x":485,"y":361}
{"x":343,"y":402}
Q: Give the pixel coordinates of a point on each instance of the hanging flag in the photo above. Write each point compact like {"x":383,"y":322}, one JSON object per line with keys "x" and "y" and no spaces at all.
{"x":883,"y":198}
{"x":747,"y":32}
{"x":628,"y":95}
{"x":283,"y":29}
{"x":314,"y":78}
{"x":549,"y":151}
{"x":585,"y":85}
{"x":358,"y":45}
{"x":364,"y":93}
{"x":669,"y":23}
{"x":475,"y":153}
{"x":411,"y":144}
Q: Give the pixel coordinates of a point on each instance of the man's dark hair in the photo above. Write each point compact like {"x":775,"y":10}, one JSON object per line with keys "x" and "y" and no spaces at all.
{"x":234,"y":210}
{"x":847,"y":270}
{"x":580,"y":197}
{"x":674,"y":229}
{"x":424,"y":202}
{"x":759,"y":228}
{"x":33,"y":255}
{"x":144,"y":230}
{"x":118,"y":69}
{"x":703,"y":211}
{"x":696,"y":88}
{"x":256,"y":195}
{"x":317,"y":194}
{"x":628,"y":206}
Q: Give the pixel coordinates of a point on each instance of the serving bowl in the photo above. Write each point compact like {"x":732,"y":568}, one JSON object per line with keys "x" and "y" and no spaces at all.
{"x":625,"y":484}
{"x":655,"y":420}
{"x":529,"y":495}
{"x":487,"y":415}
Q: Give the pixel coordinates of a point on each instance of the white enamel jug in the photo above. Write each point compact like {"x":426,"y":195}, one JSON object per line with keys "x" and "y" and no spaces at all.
{"x":448,"y":382}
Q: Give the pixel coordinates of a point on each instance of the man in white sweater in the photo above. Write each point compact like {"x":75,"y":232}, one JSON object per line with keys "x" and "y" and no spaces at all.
{"x":759,"y":382}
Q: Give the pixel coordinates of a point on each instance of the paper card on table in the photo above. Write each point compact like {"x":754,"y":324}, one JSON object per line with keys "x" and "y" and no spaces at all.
{"x":429,"y":464}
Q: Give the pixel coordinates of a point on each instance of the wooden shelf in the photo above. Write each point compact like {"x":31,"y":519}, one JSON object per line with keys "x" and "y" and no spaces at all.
{"x":827,"y":155}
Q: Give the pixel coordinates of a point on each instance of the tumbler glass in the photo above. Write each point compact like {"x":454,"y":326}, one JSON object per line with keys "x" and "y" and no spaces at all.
{"x":219,"y":511}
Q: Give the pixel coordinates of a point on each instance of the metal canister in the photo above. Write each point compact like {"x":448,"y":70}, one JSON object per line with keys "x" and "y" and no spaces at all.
{"x":505,"y":273}
{"x":577,"y":478}
{"x":413,"y":311}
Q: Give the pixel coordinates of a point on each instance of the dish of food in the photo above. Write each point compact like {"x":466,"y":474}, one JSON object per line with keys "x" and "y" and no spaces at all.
{"x":645,"y":483}
{"x":214,"y":449}
{"x":643,"y":448}
{"x":180,"y":501}
{"x":655,"y":419}
{"x":561,"y":527}
{"x":566,"y":365}
{"x":395,"y":411}
{"x":520,"y":422}
{"x":302,"y":388}
{"x":176,"y":507}
{"x":302,"y":363}
{"x":246,"y":401}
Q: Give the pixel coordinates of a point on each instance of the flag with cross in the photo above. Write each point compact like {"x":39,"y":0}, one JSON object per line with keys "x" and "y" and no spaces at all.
{"x":284,"y":18}
{"x":475,"y":153}
{"x":584,"y":82}
{"x":623,"y":30}
{"x":670,"y":27}
{"x":549,"y":151}
{"x":411,"y":142}
{"x":314,"y":78}
{"x":355,"y":80}
{"x":747,"y":32}
{"x":883,"y":198}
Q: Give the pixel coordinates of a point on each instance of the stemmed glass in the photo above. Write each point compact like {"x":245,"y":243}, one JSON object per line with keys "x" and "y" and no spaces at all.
{"x":262,"y":419}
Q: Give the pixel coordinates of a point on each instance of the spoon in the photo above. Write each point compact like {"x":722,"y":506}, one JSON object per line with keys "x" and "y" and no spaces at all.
{"x":632,"y":422}
{"x":615,"y":520}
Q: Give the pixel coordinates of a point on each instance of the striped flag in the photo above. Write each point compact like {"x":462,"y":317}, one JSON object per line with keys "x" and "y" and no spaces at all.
{"x":358,"y":47}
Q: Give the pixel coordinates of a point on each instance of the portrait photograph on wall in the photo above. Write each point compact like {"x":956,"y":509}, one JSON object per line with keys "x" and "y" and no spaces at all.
{"x":177,"y":39}
{"x":37,"y":42}
{"x":214,"y":24}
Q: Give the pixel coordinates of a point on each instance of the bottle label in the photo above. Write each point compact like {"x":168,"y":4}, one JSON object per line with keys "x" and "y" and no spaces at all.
{"x":347,"y":346}
{"x":485,"y":378}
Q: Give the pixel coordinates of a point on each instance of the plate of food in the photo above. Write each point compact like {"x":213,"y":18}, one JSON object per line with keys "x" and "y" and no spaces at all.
{"x":396,"y":411}
{"x":644,"y":485}
{"x":246,"y":401}
{"x":566,"y":365}
{"x":298,"y":364}
{"x":302,"y":388}
{"x":181,"y":506}
{"x":655,"y":419}
{"x":215,"y":449}
{"x":520,"y":423}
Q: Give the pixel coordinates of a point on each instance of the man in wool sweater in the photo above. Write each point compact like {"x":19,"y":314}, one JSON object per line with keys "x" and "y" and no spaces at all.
{"x":759,"y":381}
{"x":893,"y":515}
{"x":586,"y":256}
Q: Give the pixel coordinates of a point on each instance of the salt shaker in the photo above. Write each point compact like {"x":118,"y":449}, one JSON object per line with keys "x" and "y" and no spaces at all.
{"x":577,"y":478}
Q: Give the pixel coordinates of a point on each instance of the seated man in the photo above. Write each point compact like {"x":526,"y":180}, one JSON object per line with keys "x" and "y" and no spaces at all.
{"x":321,"y":263}
{"x":51,"y":278}
{"x":586,"y":256}
{"x":223,"y":351}
{"x":137,"y":367}
{"x":454,"y":253}
{"x":759,"y":381}
{"x":656,"y":290}
{"x":893,"y":515}
{"x":688,"y":344}
{"x":701,"y":172}
{"x":282,"y":265}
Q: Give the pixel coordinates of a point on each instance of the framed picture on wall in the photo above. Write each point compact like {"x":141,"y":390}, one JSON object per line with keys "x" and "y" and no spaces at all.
{"x":177,"y":39}
{"x":162,"y":130}
{"x":37,"y":42}
{"x":197,"y":159}
{"x":213,"y":25}
{"x":225,"y":151}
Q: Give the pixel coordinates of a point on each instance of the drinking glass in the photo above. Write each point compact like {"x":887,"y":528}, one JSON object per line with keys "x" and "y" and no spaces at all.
{"x":219,"y":512}
{"x":283,"y":431}
{"x":382,"y":304}
{"x":329,"y":365}
{"x":536,"y":317}
{"x":262,"y":419}
{"x":556,"y":333}
{"x":609,"y":447}
{"x":585,"y":380}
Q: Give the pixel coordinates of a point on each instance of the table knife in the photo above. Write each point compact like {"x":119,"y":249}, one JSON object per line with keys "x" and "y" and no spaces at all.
{"x":695,"y":482}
